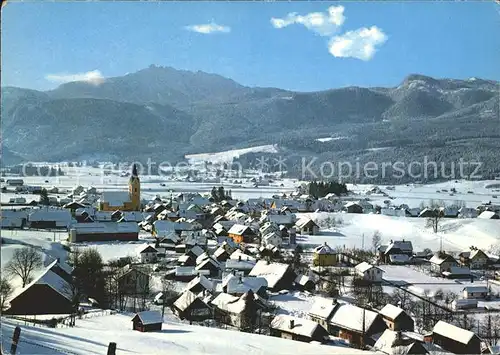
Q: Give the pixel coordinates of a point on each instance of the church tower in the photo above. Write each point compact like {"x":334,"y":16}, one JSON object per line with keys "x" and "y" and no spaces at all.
{"x":134,"y":189}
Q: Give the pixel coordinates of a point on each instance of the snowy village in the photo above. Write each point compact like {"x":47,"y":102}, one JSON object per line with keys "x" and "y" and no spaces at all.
{"x":94,"y":263}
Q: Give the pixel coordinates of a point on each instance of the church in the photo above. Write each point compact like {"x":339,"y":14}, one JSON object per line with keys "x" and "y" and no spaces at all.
{"x":122,"y":200}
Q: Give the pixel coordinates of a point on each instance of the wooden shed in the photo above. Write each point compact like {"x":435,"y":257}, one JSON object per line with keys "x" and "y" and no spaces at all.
{"x":147,"y":321}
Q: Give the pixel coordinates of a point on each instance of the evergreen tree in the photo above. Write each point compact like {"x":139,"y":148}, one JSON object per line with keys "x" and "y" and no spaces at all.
{"x":44,"y":198}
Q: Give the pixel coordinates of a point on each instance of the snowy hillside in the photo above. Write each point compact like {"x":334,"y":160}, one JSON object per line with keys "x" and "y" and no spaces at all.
{"x":228,"y":156}
{"x":92,"y":336}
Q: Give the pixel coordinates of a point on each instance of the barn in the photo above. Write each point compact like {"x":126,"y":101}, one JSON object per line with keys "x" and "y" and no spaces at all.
{"x":104,"y":231}
{"x":147,"y":321}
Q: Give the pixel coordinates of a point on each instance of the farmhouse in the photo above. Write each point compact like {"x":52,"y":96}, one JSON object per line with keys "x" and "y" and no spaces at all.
{"x":147,"y":321}
{"x":322,"y":311}
{"x":355,"y":324}
{"x":238,"y":285}
{"x":475,"y":292}
{"x":287,"y":327}
{"x":474,"y":258}
{"x":278,"y":276}
{"x":369,"y":272}
{"x":13,"y":219}
{"x":48,"y":293}
{"x":353,"y":207}
{"x":189,"y":306}
{"x":132,"y":280}
{"x":307,"y":226}
{"x":397,"y":247}
{"x":200,"y":284}
{"x":241,"y":312}
{"x":104,"y":231}
{"x":442,"y":262}
{"x":455,"y":339}
{"x":49,"y":218}
{"x":399,"y":343}
{"x":148,"y":254}
{"x":324,"y":256}
{"x":396,"y":318}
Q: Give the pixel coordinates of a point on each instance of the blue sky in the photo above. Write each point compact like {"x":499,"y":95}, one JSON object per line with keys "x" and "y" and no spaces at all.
{"x":364,"y":44}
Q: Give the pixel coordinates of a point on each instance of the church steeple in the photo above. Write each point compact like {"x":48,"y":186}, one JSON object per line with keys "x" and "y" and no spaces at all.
{"x":134,"y":189}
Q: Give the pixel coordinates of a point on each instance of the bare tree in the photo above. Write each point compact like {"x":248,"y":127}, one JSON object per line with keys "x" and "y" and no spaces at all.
{"x":433,"y":221}
{"x":376,"y":240}
{"x":5,"y":292}
{"x":23,"y":263}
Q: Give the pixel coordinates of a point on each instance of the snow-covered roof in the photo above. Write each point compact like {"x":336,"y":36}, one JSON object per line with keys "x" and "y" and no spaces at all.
{"x":364,"y":267}
{"x":453,"y":332}
{"x":322,"y":307}
{"x":239,"y":255}
{"x":272,"y":272}
{"x":436,"y":259}
{"x":203,"y":281}
{"x":487,"y":215}
{"x":148,"y":249}
{"x":183,"y":258}
{"x":238,"y":284}
{"x":390,"y":311}
{"x":185,"y":300}
{"x":201,"y":258}
{"x":301,"y":326}
{"x":50,"y":214}
{"x":207,"y":261}
{"x":228,"y":303}
{"x":398,"y":258}
{"x":239,"y":229}
{"x":475,"y":289}
{"x":351,"y":317}
{"x":196,"y":250}
{"x":301,"y":223}
{"x":105,"y":227}
{"x":324,"y":249}
{"x":387,"y":342}
{"x":302,"y":280}
{"x":149,"y":317}
{"x":403,"y":245}
{"x":239,"y":264}
{"x":115,"y":198}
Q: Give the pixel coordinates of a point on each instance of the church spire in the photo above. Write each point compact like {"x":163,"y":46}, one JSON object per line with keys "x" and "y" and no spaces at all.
{"x":134,"y":170}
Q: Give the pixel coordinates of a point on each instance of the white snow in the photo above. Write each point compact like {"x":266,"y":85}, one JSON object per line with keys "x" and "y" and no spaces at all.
{"x":229,"y":155}
{"x":92,"y":336}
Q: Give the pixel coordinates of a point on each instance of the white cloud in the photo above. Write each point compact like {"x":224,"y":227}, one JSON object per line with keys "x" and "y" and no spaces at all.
{"x":361,"y":43}
{"x":323,"y":23}
{"x":208,"y":28}
{"x":93,"y":77}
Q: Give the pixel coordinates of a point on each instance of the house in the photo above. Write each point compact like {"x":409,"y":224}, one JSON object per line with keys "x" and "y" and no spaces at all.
{"x":132,"y":280}
{"x":307,"y":226}
{"x":400,"y":343}
{"x":288,"y":327}
{"x":238,"y":285}
{"x":200,"y":284}
{"x":241,"y":256}
{"x":474,"y":259}
{"x":273,"y":239}
{"x":369,"y":272}
{"x":147,"y":321}
{"x":209,"y":265}
{"x":462,"y":303}
{"x":15,"y":182}
{"x":442,"y":262}
{"x":322,"y":311}
{"x":49,"y":218}
{"x":397,"y":247}
{"x":324,"y":256}
{"x":475,"y":292}
{"x":148,"y":254}
{"x":242,"y":312}
{"x":455,"y":339}
{"x":221,"y":254}
{"x":457,"y":272}
{"x":356,"y":325}
{"x":243,"y":266}
{"x":13,"y":219}
{"x":304,"y":283}
{"x":189,"y":306}
{"x":396,"y":318}
{"x":104,"y":231}
{"x":353,"y":207}
{"x":240,"y":233}
{"x":278,"y":276}
{"x":48,"y":293}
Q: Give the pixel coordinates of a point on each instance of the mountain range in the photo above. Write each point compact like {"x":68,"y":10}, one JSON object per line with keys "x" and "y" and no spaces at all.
{"x":164,"y":113}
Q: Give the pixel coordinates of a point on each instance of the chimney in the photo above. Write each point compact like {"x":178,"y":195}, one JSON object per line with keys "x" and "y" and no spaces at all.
{"x":292,"y":324}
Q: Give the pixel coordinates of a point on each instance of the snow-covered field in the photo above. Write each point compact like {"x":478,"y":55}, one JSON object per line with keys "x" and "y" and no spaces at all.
{"x":229,"y":155}
{"x":92,"y":336}
{"x":356,"y":230}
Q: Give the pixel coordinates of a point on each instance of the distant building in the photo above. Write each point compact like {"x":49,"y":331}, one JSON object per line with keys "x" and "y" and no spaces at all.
{"x":241,"y":234}
{"x":191,"y":307}
{"x":306,"y":226}
{"x":442,"y":262}
{"x":475,"y":258}
{"x":123,"y":201}
{"x":324,"y":256}
{"x":397,"y":247}
{"x":103,"y":231}
{"x":148,"y":254}
{"x":475,"y":292}
{"x":369,"y":272}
